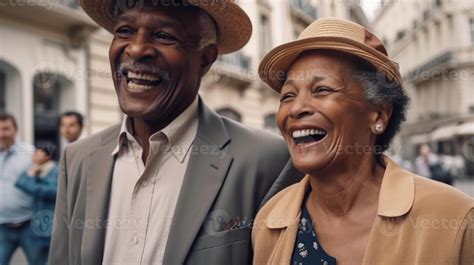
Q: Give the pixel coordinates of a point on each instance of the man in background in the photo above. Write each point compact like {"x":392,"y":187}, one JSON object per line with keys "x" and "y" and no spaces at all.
{"x":71,"y":124}
{"x":15,"y":205}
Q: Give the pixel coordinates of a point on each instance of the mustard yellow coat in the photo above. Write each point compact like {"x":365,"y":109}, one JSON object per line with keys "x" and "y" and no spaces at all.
{"x":419,"y":221}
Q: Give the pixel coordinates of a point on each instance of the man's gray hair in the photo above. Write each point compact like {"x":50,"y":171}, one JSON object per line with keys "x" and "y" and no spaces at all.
{"x":208,"y":30}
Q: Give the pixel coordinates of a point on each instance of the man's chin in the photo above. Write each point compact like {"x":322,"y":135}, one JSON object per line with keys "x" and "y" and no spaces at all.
{"x":142,"y":112}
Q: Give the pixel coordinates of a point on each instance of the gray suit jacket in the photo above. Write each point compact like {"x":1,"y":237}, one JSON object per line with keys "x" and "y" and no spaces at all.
{"x":232,"y":171}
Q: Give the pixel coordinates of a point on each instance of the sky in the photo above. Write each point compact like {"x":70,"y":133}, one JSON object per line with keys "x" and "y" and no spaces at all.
{"x":369,"y":7}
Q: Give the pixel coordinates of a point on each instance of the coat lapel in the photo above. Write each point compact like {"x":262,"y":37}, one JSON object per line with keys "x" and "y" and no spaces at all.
{"x":99,"y":176}
{"x":206,"y":171}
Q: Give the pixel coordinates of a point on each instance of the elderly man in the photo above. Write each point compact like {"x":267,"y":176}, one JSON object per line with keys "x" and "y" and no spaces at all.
{"x":175,"y":183}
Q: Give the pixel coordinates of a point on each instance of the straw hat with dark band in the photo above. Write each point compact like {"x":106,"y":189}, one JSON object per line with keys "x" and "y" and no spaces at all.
{"x":233,"y":24}
{"x":328,"y":34}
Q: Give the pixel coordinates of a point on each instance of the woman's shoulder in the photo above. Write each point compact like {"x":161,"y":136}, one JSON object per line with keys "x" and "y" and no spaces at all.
{"x":439,"y":197}
{"x":439,"y":191}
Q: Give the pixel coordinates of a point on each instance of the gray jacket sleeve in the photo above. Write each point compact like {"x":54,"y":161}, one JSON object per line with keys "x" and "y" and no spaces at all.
{"x":59,"y":249}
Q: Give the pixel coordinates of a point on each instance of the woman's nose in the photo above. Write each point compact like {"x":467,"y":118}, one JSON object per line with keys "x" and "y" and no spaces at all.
{"x":301,"y":107}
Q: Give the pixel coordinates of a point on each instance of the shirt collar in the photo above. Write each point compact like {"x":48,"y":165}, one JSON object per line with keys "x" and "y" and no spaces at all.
{"x":15,"y":147}
{"x":180,"y":133}
{"x":397,"y":194}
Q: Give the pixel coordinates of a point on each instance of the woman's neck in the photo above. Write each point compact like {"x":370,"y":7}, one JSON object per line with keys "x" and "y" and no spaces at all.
{"x":357,"y":184}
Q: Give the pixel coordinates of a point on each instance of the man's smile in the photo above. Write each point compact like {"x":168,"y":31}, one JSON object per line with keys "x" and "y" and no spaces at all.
{"x":137,"y":82}
{"x":141,"y":78}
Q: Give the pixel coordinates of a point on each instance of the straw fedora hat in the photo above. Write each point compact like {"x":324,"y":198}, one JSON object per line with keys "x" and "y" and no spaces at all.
{"x":328,"y":34}
{"x":233,"y":24}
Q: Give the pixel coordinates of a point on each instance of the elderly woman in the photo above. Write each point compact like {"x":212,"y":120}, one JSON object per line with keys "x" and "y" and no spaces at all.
{"x":342,"y":102}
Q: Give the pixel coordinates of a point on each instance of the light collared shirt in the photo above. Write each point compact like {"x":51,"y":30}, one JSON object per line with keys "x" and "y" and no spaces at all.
{"x":15,"y":205}
{"x":143,"y":197}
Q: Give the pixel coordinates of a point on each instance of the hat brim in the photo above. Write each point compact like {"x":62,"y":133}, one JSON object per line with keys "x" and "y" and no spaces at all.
{"x":275,"y":65}
{"x":234,"y":26}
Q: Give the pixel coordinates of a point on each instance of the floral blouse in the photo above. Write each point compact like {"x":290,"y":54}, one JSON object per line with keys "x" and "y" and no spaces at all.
{"x":307,"y":248}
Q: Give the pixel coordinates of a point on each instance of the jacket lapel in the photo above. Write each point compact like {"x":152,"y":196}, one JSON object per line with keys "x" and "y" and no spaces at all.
{"x":397,"y":195}
{"x":206,"y":171}
{"x":99,"y":176}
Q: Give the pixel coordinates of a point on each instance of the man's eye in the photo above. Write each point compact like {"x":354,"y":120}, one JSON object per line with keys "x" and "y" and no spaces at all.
{"x":165,"y":38}
{"x":124,"y":32}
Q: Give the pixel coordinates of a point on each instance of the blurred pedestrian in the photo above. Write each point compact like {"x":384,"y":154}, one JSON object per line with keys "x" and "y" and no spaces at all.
{"x":428,"y":164}
{"x":40,"y":181}
{"x":15,"y":205}
{"x":425,"y":158}
{"x":71,"y":124}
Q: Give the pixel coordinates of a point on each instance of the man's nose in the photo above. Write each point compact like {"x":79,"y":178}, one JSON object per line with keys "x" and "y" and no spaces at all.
{"x":141,"y":47}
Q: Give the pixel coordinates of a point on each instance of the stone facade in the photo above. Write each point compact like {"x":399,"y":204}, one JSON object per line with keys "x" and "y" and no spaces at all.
{"x":434,"y":43}
{"x":74,"y":52}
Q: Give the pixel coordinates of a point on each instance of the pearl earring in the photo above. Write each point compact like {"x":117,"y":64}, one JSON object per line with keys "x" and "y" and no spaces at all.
{"x":379,"y":127}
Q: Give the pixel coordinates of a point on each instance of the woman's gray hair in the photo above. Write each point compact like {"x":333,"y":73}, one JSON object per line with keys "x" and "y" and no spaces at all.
{"x":208,"y":30}
{"x":378,"y":90}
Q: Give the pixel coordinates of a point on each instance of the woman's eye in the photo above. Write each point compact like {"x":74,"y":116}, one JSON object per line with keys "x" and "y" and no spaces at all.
{"x":286,"y":97}
{"x":322,"y":90}
{"x":124,"y":32}
{"x":165,"y":38}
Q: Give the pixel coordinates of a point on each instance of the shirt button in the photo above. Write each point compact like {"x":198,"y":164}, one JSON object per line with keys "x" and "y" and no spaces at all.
{"x":135,"y":240}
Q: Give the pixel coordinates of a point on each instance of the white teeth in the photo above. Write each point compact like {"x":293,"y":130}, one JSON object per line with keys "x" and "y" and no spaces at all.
{"x":134,"y":86}
{"x":307,"y":132}
{"x":148,"y":77}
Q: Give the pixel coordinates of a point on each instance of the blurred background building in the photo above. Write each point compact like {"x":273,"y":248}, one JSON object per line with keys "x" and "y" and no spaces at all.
{"x":53,"y":58}
{"x":433,"y":40}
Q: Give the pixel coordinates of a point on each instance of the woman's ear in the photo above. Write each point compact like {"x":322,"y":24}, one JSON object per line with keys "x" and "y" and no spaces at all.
{"x":380,"y":118}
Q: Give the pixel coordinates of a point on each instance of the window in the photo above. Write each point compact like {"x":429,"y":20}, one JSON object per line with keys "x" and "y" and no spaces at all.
{"x":265,"y":35}
{"x":46,"y":96}
{"x":3,"y":93}
{"x":471,"y":28}
{"x":270,"y":123}
{"x":230,"y":113}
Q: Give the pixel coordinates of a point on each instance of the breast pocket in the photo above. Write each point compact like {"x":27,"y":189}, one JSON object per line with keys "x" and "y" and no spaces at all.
{"x":226,"y":247}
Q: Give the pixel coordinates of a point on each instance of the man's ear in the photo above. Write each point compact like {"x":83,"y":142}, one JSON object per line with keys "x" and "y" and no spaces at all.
{"x":208,"y":57}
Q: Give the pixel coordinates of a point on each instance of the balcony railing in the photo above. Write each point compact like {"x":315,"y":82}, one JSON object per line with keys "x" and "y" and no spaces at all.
{"x":238,"y":60}
{"x":70,"y":3}
{"x":305,"y":7}
{"x":427,"y":68}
